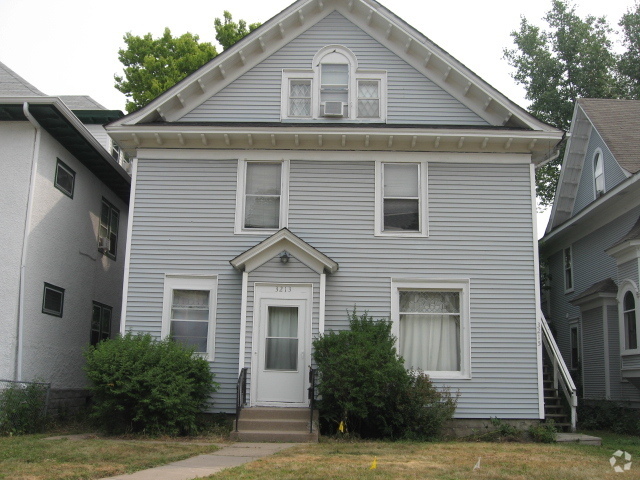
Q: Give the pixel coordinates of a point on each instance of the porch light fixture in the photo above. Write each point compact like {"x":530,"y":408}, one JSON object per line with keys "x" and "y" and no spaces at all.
{"x":284,"y":257}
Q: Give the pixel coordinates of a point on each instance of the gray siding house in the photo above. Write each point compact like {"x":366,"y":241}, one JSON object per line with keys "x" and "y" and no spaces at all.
{"x":63,"y":213}
{"x":591,"y":250}
{"x":336,"y":157}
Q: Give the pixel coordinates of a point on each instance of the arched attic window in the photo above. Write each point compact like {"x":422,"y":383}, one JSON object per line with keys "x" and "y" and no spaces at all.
{"x":334,"y":89}
{"x":598,"y":173}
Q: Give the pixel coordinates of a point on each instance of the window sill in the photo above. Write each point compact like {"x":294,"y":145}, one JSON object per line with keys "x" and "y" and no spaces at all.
{"x":567,"y":292}
{"x":401,"y":234}
{"x":258,"y":231}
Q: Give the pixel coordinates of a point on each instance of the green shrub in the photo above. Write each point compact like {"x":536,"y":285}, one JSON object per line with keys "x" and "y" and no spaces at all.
{"x":23,"y":408}
{"x":608,"y":415}
{"x":543,"y":432}
{"x":363,"y":384}
{"x":143,"y":385}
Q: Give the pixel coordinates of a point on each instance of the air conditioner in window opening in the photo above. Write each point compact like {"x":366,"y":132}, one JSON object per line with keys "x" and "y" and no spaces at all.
{"x":333,"y":109}
{"x":103,"y":244}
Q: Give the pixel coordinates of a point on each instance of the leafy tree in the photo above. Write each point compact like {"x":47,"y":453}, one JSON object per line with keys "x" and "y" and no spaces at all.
{"x":229,"y":32}
{"x":572,"y":59}
{"x":152,"y":65}
{"x":629,"y":64}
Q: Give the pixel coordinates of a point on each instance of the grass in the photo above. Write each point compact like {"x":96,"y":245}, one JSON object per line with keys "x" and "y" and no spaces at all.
{"x":443,"y":461}
{"x":31,"y":457}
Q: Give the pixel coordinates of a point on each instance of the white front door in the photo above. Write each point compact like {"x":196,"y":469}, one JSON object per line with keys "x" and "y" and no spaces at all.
{"x":282,"y":343}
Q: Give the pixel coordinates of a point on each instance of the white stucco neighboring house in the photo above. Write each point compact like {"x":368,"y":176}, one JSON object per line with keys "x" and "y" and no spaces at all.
{"x":63,"y":214}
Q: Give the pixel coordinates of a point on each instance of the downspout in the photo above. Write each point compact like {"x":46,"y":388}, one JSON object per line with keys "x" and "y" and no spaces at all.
{"x":25,"y":242}
{"x":550,"y":159}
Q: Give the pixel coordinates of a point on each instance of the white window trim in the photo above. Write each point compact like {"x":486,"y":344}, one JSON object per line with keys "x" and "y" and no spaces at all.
{"x":574,"y":323}
{"x":462,"y":286}
{"x":564,"y":270}
{"x":287,"y":76}
{"x":191,"y":282}
{"x":313,"y":73}
{"x":593,"y":171}
{"x":624,"y":287}
{"x":423,"y":201}
{"x":240,"y":197}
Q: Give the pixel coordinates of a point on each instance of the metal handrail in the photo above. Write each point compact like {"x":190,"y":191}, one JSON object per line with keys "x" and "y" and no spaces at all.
{"x":561,"y":375}
{"x":241,"y":393}
{"x":312,"y":395}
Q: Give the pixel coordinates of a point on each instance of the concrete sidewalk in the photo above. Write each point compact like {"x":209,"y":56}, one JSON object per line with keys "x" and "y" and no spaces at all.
{"x":208,"y":464}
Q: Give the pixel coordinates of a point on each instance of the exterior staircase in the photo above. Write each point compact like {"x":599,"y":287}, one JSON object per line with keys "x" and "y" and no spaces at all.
{"x":554,"y":408}
{"x":264,"y":424}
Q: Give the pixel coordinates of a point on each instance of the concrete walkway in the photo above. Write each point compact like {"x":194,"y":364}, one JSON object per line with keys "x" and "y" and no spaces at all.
{"x":208,"y":464}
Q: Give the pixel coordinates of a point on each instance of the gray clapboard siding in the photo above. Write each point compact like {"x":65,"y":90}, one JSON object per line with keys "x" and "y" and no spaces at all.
{"x":613,"y":334}
{"x":412,"y":98}
{"x":183,"y":223}
{"x":591,"y":265}
{"x":100,"y":134}
{"x":613,"y":173}
{"x":274,"y":271}
{"x":628,"y":271}
{"x":593,"y":343}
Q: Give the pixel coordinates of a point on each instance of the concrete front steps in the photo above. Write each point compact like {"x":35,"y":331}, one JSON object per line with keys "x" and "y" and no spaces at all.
{"x":267,"y":424}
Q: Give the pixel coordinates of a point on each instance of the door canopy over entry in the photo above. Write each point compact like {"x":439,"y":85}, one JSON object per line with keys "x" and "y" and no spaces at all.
{"x":284,"y":240}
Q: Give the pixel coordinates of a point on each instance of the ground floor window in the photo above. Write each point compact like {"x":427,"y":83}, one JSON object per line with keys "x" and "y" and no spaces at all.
{"x":431,"y":321}
{"x":189,"y":311}
{"x":100,"y":322}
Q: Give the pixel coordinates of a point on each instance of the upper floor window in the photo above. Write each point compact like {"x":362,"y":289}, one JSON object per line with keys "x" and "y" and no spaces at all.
{"x":65,"y":178}
{"x":568,"y":269}
{"x":401,"y":198}
{"x":262,"y":196}
{"x":598,"y":173}
{"x":52,"y":300}
{"x":108,"y":233}
{"x":334,"y":88}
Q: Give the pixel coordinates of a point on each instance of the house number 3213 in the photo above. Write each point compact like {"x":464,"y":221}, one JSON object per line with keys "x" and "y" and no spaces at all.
{"x":283,"y":289}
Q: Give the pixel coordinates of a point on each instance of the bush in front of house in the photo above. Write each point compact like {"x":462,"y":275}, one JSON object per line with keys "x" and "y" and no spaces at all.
{"x":608,"y":415}
{"x":144,"y":385}
{"x":22,"y":407}
{"x":364,"y":385}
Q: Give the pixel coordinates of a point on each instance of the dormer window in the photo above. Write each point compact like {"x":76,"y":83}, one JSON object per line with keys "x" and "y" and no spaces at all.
{"x":598,"y":173}
{"x":334,"y":89}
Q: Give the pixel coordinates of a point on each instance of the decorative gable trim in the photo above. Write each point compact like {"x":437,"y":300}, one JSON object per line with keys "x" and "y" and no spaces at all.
{"x":286,"y":241}
{"x":371,"y":17}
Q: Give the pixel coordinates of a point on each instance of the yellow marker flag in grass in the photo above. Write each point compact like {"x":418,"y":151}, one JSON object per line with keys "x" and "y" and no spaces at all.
{"x":341,"y":427}
{"x":374,"y":465}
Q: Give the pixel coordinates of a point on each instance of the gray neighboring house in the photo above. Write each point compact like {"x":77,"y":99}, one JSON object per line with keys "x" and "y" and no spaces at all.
{"x":592,"y":250}
{"x":63,"y":214}
{"x":336,"y":157}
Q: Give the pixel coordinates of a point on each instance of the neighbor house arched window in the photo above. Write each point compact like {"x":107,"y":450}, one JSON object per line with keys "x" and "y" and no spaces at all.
{"x":598,"y":173}
{"x":627,"y":308}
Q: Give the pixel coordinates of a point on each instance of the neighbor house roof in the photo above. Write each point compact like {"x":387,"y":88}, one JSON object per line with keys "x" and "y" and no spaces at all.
{"x":604,"y":288}
{"x":13,"y":85}
{"x":618,"y":123}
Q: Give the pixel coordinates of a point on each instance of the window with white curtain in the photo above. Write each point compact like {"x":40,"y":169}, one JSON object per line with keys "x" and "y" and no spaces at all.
{"x":598,"y":173}
{"x":281,"y":352}
{"x":189,"y":311}
{"x":431,"y":322}
{"x":262,"y":196}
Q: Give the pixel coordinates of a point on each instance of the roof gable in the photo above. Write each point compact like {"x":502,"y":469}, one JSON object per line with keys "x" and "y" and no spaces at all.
{"x":372,"y":18}
{"x":411,"y":97}
{"x":610,"y":126}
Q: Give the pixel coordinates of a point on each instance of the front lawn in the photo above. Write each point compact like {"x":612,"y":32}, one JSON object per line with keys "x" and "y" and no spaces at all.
{"x":443,"y":461}
{"x":31,"y":457}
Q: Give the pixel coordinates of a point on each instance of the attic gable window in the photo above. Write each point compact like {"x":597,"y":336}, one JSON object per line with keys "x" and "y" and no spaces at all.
{"x":598,"y":173}
{"x":334,"y":89}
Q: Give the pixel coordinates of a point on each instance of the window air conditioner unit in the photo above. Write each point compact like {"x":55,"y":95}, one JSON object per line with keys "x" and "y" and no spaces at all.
{"x":103,"y":244}
{"x":333,"y":109}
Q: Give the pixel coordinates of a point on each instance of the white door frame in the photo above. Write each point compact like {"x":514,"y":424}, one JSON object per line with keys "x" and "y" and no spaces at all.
{"x":287,"y":293}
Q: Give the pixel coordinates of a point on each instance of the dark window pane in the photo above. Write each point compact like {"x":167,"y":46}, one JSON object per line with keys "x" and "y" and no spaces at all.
{"x":65,"y":178}
{"x":53,"y":300}
{"x":401,"y":214}
{"x":281,"y":354}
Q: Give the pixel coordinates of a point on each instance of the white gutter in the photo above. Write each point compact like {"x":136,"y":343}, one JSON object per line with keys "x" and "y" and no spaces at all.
{"x":25,"y":241}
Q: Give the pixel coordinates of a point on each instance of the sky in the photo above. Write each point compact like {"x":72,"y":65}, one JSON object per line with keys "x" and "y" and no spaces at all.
{"x":70,"y":47}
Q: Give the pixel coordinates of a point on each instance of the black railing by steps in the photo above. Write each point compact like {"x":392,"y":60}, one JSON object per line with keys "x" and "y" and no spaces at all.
{"x":312,"y":395}
{"x":241,"y":393}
